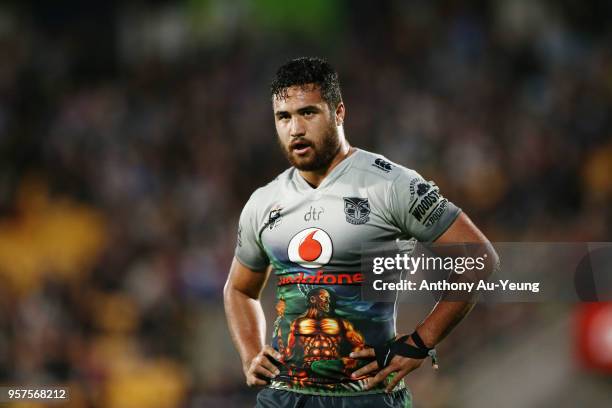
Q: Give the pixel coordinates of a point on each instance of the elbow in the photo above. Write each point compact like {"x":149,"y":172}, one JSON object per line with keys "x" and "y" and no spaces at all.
{"x":232,"y":292}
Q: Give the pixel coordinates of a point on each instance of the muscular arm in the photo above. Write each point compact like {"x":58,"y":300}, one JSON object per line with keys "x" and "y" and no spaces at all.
{"x":447,"y":314}
{"x":245,"y":317}
{"x":353,"y":336}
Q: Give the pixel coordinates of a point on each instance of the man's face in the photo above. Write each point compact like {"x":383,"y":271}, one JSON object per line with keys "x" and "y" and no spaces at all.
{"x":306,"y":128}
{"x":321,"y":300}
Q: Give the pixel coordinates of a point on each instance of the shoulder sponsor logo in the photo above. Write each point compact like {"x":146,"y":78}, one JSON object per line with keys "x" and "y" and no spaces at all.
{"x":357,"y":210}
{"x":429,"y":205}
{"x":420,"y":187}
{"x":310,"y":248}
{"x":382,"y":165}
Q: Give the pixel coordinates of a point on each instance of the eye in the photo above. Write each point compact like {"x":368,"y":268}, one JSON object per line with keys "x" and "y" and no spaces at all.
{"x":308,"y":113}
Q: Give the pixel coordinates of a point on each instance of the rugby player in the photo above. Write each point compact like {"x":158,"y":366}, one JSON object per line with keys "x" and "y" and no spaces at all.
{"x":330,"y":347}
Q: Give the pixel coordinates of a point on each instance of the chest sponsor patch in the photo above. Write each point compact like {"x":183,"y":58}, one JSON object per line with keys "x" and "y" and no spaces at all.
{"x":321,"y":278}
{"x":310,"y":248}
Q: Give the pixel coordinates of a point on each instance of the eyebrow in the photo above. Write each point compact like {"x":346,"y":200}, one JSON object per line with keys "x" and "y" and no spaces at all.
{"x":309,"y":108}
{"x":301,"y":110}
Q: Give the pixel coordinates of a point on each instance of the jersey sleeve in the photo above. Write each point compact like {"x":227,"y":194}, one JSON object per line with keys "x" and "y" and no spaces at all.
{"x":249,"y":250}
{"x":418,"y":208}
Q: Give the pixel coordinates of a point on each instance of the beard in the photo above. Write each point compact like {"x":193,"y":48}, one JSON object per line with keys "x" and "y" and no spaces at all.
{"x":322,"y":154}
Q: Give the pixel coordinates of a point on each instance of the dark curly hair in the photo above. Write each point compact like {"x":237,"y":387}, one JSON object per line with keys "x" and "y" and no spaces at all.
{"x":308,"y":70}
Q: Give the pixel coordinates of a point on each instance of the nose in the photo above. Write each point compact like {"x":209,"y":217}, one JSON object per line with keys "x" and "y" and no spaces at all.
{"x":297,"y":127}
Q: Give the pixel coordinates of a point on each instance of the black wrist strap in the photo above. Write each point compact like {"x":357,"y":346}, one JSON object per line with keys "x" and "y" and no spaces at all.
{"x":418,"y":341}
{"x":385,"y":353}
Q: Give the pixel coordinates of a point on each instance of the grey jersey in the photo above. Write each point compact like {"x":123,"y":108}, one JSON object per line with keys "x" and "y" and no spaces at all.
{"x":313,"y":239}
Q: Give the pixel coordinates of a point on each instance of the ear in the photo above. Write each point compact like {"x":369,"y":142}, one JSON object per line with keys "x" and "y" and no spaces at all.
{"x":340,"y":112}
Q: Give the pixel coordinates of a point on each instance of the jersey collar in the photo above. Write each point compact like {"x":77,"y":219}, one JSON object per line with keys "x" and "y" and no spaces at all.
{"x":342,"y":167}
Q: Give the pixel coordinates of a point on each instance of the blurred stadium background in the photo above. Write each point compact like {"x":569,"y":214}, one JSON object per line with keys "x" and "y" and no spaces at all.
{"x":131,"y":134}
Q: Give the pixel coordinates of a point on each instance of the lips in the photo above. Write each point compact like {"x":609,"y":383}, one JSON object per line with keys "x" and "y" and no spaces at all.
{"x":300,"y":146}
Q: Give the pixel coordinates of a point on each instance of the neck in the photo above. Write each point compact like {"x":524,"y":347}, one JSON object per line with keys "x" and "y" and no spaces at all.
{"x":313,"y":313}
{"x":315,"y":178}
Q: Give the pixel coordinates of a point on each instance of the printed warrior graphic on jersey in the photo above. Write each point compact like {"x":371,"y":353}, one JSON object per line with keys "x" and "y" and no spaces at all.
{"x":312,"y":238}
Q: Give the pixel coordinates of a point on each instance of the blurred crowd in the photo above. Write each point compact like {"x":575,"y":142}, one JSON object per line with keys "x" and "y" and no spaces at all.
{"x":131,"y":136}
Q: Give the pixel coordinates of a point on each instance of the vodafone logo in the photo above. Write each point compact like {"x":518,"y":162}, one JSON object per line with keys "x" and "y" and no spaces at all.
{"x":310,"y":248}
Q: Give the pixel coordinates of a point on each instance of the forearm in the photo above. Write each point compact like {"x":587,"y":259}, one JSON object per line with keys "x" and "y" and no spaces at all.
{"x":247,"y":323}
{"x":442,"y":320}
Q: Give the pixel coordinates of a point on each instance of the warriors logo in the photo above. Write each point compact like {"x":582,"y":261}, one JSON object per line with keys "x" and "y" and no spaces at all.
{"x":357,"y":210}
{"x":310,"y":248}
